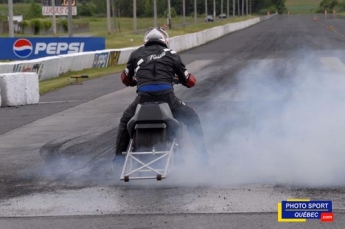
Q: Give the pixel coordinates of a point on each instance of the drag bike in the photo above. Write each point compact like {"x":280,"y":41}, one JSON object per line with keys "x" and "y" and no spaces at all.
{"x":155,"y":137}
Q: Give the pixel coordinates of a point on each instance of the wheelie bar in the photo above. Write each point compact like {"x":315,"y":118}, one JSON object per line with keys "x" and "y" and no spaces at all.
{"x":147,"y":165}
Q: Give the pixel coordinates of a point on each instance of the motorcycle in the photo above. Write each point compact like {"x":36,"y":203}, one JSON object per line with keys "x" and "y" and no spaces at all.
{"x":155,"y":137}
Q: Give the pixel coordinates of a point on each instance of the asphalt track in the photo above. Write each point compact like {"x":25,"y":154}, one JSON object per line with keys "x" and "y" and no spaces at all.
{"x":270,"y":98}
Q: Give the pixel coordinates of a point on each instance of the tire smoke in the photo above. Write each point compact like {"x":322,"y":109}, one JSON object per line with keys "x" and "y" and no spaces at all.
{"x":281,"y":121}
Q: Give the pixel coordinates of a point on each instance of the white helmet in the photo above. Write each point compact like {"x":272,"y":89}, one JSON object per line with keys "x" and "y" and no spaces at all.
{"x":157,"y":34}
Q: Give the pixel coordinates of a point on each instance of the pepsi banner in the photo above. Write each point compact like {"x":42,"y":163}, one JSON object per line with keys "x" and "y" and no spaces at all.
{"x":33,"y":48}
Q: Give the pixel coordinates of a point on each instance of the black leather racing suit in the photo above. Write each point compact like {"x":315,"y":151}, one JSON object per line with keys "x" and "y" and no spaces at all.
{"x":155,"y":64}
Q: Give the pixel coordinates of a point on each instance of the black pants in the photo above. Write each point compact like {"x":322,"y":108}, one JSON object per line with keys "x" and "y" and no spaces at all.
{"x":179,"y":109}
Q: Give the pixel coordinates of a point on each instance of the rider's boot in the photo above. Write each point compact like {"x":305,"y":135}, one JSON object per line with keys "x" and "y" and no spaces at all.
{"x":122,"y":140}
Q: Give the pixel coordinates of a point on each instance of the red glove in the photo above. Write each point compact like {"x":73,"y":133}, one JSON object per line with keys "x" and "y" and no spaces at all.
{"x":191,"y":81}
{"x":126,"y":81}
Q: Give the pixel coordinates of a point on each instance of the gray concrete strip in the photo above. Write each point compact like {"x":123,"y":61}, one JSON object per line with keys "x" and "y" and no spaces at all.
{"x":114,"y":200}
{"x":170,"y":221}
{"x":153,"y":198}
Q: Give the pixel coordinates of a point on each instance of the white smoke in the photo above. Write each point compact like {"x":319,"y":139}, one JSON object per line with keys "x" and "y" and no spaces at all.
{"x":281,"y":122}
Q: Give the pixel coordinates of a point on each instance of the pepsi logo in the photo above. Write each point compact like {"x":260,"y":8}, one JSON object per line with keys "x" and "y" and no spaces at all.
{"x":22,"y":48}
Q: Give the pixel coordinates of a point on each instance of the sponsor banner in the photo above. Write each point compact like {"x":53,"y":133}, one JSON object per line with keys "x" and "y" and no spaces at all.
{"x":29,"y":67}
{"x":33,"y":48}
{"x":113,"y":58}
{"x":100,"y":60}
{"x":59,"y":10}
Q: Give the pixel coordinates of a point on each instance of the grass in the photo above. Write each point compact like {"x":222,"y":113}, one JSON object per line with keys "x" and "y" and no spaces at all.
{"x":127,"y":37}
{"x":302,"y":6}
{"x":65,"y":80}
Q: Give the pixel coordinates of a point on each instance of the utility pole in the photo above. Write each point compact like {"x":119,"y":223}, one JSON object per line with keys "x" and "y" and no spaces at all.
{"x":135,"y":15}
{"x":195,"y":12}
{"x":54,"y":18}
{"x":250,"y":7}
{"x":214,"y":9}
{"x":155,"y":13}
{"x":221,"y":7}
{"x":238,"y":8}
{"x":233,"y":8}
{"x":114,"y":15}
{"x":184,"y":12}
{"x":242,"y":7}
{"x":108,"y":17}
{"x":247,"y":7}
{"x":227,"y":9}
{"x":169,"y":14}
{"x":70,"y":24}
{"x":206,"y":11}
{"x":10,"y":19}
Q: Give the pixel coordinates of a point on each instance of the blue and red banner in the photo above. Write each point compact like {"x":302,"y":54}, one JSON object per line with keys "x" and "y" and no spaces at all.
{"x":33,"y":48}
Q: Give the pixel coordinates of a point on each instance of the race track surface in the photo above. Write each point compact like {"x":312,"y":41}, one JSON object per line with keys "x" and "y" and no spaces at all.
{"x":271,"y":100}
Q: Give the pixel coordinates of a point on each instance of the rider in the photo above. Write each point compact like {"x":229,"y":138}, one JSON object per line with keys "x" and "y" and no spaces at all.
{"x":152,"y":68}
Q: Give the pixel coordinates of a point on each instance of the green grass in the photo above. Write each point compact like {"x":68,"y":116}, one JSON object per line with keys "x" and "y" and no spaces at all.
{"x":127,"y":37}
{"x":302,"y":6}
{"x":65,"y":80}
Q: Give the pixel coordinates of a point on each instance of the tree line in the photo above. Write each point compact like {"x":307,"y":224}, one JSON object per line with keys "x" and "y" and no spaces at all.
{"x":145,"y":7}
{"x":124,"y":8}
{"x":330,"y":5}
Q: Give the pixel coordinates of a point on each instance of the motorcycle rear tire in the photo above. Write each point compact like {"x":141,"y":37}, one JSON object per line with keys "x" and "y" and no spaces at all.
{"x":146,"y":139}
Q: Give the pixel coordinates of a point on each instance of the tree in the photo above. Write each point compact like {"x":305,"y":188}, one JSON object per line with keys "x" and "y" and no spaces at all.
{"x":34,"y":11}
{"x":47,"y":24}
{"x":173,"y":12}
{"x":36,"y":25}
{"x":328,"y":5}
{"x":86,"y":10}
{"x":280,"y":5}
{"x":148,"y":8}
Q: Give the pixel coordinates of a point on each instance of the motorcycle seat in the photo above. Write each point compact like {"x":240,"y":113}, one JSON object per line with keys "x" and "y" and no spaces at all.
{"x":153,"y":113}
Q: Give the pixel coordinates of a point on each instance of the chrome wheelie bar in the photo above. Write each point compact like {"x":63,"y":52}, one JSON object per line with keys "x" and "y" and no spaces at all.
{"x":147,"y":165}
